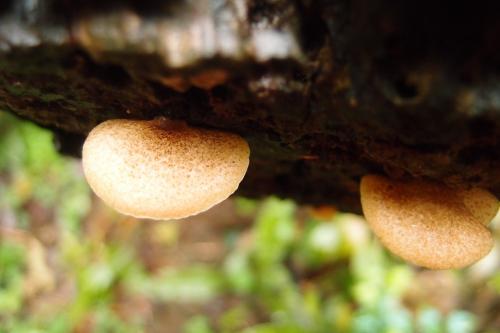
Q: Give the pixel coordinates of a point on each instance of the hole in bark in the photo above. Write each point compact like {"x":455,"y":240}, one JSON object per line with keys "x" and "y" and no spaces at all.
{"x":405,"y":89}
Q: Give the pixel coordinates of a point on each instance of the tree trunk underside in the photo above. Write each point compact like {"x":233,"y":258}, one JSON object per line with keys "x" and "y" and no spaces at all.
{"x":324,"y":91}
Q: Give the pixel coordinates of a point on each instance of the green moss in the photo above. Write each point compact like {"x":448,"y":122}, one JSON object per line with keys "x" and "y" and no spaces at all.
{"x":52,"y":97}
{"x":22,"y":91}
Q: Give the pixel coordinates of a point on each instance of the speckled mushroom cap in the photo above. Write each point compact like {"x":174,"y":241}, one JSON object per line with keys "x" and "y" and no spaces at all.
{"x":425,"y":223}
{"x":162,"y":169}
{"x":481,"y":203}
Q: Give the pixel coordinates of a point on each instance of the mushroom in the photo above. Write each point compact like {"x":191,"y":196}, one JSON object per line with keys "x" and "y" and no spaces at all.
{"x":481,"y":203}
{"x":429,"y":224}
{"x":162,"y":169}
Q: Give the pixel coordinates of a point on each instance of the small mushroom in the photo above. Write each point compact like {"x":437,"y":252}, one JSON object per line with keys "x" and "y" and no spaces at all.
{"x":162,"y":169}
{"x":428,"y":224}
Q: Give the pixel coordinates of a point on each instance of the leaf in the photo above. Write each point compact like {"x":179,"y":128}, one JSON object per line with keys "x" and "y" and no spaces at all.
{"x":274,"y":231}
{"x":191,"y":284}
{"x":197,"y":324}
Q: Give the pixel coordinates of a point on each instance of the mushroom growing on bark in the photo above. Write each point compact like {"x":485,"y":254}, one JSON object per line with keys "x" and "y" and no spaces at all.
{"x":429,"y":224}
{"x":162,"y":169}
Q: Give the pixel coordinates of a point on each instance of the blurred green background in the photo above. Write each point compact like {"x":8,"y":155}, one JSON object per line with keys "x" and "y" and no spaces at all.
{"x":70,"y":264}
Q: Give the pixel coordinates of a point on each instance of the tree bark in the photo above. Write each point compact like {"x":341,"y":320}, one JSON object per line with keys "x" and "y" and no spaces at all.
{"x":324,"y":91}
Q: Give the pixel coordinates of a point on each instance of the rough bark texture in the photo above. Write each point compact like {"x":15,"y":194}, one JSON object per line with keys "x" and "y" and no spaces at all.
{"x":324,"y":91}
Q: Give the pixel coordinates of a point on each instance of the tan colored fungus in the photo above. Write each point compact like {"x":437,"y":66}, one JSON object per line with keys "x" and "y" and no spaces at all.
{"x":428,"y":224}
{"x":481,"y":203}
{"x":162,"y":169}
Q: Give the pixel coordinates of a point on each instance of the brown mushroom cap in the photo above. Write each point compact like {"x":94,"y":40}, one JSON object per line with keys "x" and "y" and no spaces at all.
{"x":161,"y":169}
{"x":425,"y":223}
{"x":481,"y":203}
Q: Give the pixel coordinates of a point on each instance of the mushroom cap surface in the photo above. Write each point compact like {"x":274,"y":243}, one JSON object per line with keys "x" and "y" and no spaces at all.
{"x":481,"y":203}
{"x":160,"y":169}
{"x":425,"y":223}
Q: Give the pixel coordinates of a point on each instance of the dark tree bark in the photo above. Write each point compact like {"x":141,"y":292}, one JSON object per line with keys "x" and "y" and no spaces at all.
{"x":324,"y":91}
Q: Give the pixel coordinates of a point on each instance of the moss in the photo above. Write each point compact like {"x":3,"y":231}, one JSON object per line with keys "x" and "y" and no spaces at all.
{"x":48,"y":98}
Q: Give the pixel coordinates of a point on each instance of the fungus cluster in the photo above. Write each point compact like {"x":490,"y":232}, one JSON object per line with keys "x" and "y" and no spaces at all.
{"x":429,"y":224}
{"x":162,"y":169}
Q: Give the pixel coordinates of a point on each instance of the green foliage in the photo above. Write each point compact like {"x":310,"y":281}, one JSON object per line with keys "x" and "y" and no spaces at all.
{"x":194,"y":284}
{"x":198,"y":324}
{"x":11,"y":271}
{"x":261,"y":272}
{"x":36,"y":172}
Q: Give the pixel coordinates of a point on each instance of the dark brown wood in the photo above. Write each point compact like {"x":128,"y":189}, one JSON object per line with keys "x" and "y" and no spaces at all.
{"x":324,"y":91}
